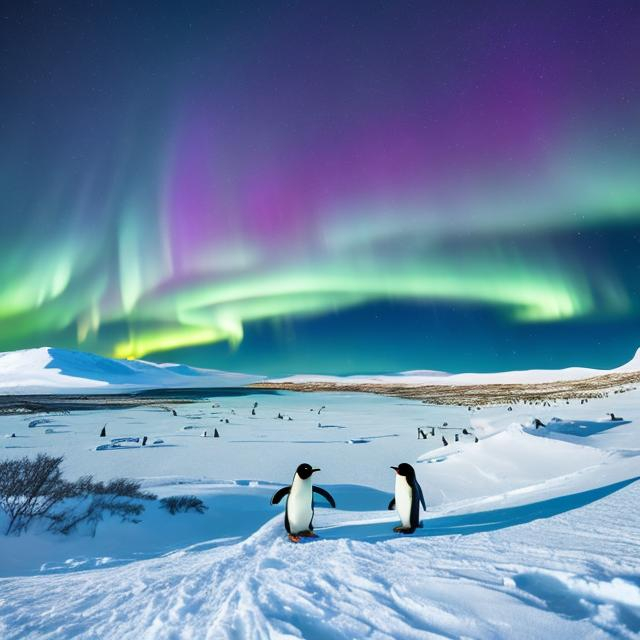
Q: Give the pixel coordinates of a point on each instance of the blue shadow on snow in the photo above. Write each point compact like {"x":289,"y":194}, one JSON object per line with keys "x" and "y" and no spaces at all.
{"x":465,"y":524}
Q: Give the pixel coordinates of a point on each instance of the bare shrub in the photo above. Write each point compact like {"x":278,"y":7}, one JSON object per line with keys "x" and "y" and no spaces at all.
{"x":97,"y":499}
{"x":34,"y":489}
{"x":182,"y":504}
{"x":29,"y":489}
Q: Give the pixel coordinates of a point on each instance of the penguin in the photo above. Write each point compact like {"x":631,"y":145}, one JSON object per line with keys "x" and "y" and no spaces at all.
{"x":433,"y":431}
{"x":144,"y":441}
{"x":215,"y":433}
{"x":537,"y":423}
{"x":466,"y":432}
{"x":456,"y":437}
{"x":103,"y":433}
{"x":174,"y":412}
{"x":407,"y":500}
{"x":320,"y":409}
{"x":444,"y":442}
{"x":298,"y":514}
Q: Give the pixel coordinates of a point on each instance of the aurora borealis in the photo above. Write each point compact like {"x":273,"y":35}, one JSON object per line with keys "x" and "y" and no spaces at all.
{"x":324,"y":186}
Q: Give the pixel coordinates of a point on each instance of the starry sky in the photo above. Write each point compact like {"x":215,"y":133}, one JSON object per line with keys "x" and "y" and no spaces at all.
{"x":328,"y":187}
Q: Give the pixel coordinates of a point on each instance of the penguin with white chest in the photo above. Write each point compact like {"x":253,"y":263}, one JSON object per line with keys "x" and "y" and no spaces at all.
{"x":298,"y":515}
{"x":408,"y":498}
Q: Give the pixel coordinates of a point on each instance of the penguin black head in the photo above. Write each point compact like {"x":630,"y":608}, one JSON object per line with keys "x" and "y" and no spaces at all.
{"x":305,"y":470}
{"x":406,"y":470}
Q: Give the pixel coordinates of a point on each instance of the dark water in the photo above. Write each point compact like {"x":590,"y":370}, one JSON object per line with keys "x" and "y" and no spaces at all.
{"x":90,"y":402}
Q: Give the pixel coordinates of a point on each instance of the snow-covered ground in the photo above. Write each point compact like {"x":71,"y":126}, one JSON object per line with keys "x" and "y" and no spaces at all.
{"x":48,"y":370}
{"x":528,"y":533}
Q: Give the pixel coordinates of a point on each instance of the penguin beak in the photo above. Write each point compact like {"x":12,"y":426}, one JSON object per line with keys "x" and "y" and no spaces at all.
{"x":394,"y":468}
{"x":314,"y":470}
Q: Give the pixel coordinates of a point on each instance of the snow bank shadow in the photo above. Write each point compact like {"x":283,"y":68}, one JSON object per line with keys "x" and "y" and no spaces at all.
{"x":580,"y":428}
{"x":352,"y":497}
{"x":466,"y":524}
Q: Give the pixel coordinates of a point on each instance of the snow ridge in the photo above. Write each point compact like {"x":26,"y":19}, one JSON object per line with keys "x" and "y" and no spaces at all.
{"x":49,"y":370}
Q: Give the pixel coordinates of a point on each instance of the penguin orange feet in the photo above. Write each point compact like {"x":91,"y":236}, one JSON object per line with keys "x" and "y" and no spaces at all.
{"x":403,"y":529}
{"x":308,"y":534}
{"x":294,"y":538}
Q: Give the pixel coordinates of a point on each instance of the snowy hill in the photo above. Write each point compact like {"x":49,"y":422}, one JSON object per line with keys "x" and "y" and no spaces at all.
{"x":48,"y":370}
{"x":428,"y":377}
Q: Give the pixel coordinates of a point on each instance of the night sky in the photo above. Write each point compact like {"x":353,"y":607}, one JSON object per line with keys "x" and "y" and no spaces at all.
{"x":341,"y":187}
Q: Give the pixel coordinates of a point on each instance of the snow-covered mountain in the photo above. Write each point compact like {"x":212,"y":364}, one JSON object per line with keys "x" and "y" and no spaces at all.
{"x":442,"y":378}
{"x":49,"y":370}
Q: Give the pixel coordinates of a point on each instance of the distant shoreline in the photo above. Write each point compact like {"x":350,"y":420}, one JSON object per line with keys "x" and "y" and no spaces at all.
{"x":461,"y":395}
{"x":65,"y":402}
{"x":472,"y":395}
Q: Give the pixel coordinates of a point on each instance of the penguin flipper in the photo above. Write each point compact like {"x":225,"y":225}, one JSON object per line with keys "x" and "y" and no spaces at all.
{"x":279,"y":494}
{"x":392,"y":504}
{"x":326,"y":495}
{"x":421,"y":496}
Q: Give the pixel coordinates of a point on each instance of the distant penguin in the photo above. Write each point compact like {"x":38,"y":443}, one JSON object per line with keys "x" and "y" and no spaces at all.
{"x":538,"y":423}
{"x":204,"y":434}
{"x":320,"y":409}
{"x":445,"y":424}
{"x":613,"y":416}
{"x":456,"y":437}
{"x":226,"y":420}
{"x":253,"y":412}
{"x":290,"y":418}
{"x":476,"y":439}
{"x":421,"y":434}
{"x":408,"y":498}
{"x":444,"y":441}
{"x":466,"y":432}
{"x":509,"y":409}
{"x":279,"y":416}
{"x":103,"y":433}
{"x":298,"y":514}
{"x":174,"y":412}
{"x":433,"y":431}
{"x":144,"y":441}
{"x":215,"y":433}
